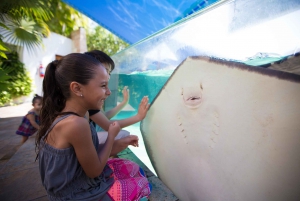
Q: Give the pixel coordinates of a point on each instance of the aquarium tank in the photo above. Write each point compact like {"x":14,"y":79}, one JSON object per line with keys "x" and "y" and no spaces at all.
{"x":253,"y":32}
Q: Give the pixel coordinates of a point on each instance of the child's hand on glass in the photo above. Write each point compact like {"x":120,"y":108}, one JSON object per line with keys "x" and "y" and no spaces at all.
{"x":125,"y":92}
{"x":143,"y":108}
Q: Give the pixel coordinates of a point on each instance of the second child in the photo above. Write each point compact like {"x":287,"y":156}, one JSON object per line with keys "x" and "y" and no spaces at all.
{"x":30,"y":122}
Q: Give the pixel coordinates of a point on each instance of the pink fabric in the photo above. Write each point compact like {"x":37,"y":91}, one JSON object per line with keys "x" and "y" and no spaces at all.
{"x":130,"y":183}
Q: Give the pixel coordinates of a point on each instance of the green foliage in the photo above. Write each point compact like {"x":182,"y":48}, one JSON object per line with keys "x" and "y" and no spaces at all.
{"x":16,"y":9}
{"x":26,"y":22}
{"x":22,"y":23}
{"x":3,"y":49}
{"x":102,"y":39}
{"x":14,"y":79}
{"x":66,"y":19}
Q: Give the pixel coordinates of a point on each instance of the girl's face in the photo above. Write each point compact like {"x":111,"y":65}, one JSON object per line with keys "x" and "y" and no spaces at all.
{"x":96,"y":91}
{"x":108,"y":68}
{"x":37,"y":105}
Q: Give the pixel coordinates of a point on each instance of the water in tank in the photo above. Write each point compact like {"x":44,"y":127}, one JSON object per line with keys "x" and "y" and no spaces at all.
{"x":252,"y":32}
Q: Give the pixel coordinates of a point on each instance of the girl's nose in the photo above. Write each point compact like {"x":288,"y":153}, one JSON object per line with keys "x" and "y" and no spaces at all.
{"x":108,"y":92}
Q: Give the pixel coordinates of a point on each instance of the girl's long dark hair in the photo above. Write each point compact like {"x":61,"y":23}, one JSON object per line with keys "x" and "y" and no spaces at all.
{"x":102,"y":57}
{"x":56,"y":86}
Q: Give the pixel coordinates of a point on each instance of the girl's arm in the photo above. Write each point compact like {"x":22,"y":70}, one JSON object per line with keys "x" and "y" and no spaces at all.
{"x":104,"y":123}
{"x":113,"y":112}
{"x":79,"y":136}
{"x":31,"y":118}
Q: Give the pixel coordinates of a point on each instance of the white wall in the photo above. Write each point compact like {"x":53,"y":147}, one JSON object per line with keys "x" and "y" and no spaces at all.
{"x":55,"y":44}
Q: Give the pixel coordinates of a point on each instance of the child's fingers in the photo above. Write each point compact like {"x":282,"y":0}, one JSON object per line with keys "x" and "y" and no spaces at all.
{"x":135,"y":144}
{"x":144,"y":100}
{"x":147,"y":105}
{"x":134,"y":138}
{"x":134,"y":141}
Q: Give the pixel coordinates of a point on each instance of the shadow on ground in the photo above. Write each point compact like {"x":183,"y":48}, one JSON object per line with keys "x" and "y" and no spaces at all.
{"x":9,"y":141}
{"x":19,"y":174}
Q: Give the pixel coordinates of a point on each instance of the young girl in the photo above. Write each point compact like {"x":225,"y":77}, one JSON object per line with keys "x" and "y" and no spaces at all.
{"x":101,"y":120}
{"x":72,"y":164}
{"x":30,"y":122}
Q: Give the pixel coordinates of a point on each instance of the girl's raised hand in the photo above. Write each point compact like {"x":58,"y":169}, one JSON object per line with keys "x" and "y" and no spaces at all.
{"x":125,"y":92}
{"x":114,"y":129}
{"x":143,"y":108}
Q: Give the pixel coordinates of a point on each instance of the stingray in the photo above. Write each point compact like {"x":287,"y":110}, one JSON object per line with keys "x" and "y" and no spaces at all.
{"x":220,"y":130}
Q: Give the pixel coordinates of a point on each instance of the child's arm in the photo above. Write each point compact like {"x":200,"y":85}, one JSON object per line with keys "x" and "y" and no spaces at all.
{"x":113,"y":112}
{"x":31,"y":118}
{"x":79,"y":136}
{"x":100,"y":119}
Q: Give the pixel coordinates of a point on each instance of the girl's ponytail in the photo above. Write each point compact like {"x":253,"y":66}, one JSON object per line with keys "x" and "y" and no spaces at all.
{"x":74,"y":67}
{"x":53,"y":100}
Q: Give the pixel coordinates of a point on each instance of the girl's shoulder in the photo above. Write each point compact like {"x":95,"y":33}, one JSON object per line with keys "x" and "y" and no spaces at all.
{"x":73,"y":128}
{"x":31,"y":111}
{"x":74,"y":119}
{"x":72,"y":124}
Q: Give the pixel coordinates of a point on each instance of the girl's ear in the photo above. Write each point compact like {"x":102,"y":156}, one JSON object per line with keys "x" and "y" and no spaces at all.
{"x":75,"y":88}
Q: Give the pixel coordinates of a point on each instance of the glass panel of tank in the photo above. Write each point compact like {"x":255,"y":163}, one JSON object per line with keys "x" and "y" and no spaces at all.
{"x":253,"y":32}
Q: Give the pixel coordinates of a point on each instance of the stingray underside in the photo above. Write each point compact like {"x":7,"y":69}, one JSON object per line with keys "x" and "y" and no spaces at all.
{"x":221,"y":130}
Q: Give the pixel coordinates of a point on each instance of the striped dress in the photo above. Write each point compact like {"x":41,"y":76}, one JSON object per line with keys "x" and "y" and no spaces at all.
{"x":26,"y":128}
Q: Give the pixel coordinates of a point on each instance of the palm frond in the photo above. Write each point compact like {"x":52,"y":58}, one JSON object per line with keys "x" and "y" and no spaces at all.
{"x":3,"y":26}
{"x":42,"y":27}
{"x":23,"y":33}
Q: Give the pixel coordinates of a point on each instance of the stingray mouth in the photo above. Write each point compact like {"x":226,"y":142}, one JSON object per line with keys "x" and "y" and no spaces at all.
{"x":192,"y":96}
{"x":192,"y":101}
